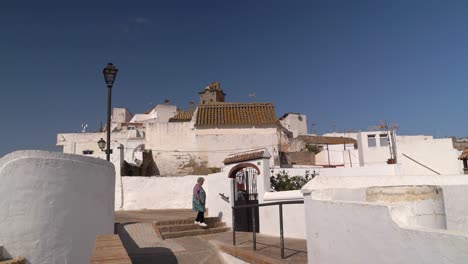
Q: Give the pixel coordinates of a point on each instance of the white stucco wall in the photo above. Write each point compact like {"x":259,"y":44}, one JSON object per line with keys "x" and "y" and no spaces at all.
{"x":53,"y":205}
{"x":217,"y":207}
{"x":346,"y":232}
{"x":366,"y":232}
{"x":438,"y":154}
{"x":175,"y":144}
{"x":341,"y":155}
{"x":354,"y":188}
{"x":120,"y":115}
{"x":293,"y":215}
{"x":176,"y":192}
{"x":296,"y":123}
{"x":158,"y":192}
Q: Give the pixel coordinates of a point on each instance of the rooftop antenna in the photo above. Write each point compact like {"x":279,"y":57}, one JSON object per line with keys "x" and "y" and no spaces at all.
{"x":83,"y":128}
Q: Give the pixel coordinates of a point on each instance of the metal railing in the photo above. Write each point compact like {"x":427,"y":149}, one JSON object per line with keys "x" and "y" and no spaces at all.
{"x":253,"y":206}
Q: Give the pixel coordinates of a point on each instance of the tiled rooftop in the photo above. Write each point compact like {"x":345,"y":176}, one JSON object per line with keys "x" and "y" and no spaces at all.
{"x":231,"y":114}
{"x":182,"y":116}
{"x":244,"y":157}
{"x":327,"y":140}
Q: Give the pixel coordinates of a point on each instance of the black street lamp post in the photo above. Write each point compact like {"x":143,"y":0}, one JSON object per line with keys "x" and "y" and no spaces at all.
{"x":110,"y":71}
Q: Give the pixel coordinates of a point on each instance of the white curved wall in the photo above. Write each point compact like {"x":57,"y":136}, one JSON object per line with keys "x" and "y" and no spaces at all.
{"x":52,"y":205}
{"x":339,"y":219}
{"x":158,"y":192}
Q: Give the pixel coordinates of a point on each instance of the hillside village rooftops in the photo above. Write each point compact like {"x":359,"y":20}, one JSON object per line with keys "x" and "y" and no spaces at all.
{"x":232,"y":114}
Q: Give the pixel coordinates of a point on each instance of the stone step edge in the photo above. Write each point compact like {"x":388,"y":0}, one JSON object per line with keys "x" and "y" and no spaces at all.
{"x":169,"y":235}
{"x":187,"y":227}
{"x":248,"y":256}
{"x":186,"y":221}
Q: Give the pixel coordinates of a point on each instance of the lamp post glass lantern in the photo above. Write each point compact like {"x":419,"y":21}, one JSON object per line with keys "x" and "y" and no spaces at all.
{"x":109,"y":72}
{"x":102,"y":144}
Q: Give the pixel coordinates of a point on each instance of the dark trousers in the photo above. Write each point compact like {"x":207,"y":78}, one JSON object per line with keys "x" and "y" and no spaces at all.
{"x":200,"y":217}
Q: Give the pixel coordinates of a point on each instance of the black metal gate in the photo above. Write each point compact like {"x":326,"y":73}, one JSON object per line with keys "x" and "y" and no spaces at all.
{"x":245,"y":192}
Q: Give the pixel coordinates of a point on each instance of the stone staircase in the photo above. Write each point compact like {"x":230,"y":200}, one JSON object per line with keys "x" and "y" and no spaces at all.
{"x":186,"y":227}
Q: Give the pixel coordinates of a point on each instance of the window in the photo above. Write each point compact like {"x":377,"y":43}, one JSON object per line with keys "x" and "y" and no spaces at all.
{"x":88,"y":152}
{"x":383,"y":140}
{"x":371,"y":141}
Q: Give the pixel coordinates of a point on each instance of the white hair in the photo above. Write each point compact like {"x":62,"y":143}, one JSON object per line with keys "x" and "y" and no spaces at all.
{"x":200,"y":179}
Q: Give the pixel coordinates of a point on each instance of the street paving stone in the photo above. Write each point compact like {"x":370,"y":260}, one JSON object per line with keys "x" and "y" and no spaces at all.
{"x":145,"y":245}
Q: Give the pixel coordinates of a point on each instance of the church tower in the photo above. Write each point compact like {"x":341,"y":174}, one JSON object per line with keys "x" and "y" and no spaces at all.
{"x":212,"y":94}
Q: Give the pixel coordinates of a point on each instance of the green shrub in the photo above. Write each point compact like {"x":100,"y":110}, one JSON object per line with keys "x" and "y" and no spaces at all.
{"x":283,"y":182}
{"x":313,"y":148}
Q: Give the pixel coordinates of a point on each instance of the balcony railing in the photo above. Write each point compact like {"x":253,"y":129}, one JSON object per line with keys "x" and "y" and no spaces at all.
{"x":253,"y":206}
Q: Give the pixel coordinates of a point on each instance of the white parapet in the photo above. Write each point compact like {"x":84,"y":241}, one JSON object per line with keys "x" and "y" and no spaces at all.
{"x":399,"y":219}
{"x":52,"y":205}
{"x":412,"y":206}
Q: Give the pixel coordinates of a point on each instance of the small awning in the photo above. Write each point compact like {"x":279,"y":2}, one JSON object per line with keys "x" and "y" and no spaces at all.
{"x":246,"y":156}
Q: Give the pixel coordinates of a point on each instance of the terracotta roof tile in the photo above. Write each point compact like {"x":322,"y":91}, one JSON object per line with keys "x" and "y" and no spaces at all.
{"x":228,"y":114}
{"x":327,"y":140}
{"x":182,"y":116}
{"x":244,"y":157}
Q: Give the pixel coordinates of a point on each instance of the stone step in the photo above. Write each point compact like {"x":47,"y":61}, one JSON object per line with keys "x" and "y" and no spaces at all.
{"x":187,"y":221}
{"x":196,"y":232}
{"x":185,"y":227}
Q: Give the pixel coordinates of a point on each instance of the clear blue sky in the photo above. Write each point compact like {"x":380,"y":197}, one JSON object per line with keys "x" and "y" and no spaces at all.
{"x":345,"y":64}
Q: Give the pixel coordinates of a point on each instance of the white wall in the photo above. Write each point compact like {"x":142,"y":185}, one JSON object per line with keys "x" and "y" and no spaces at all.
{"x":216,"y":184}
{"x":296,"y":123}
{"x":53,"y":205}
{"x":158,"y":192}
{"x":354,"y":188}
{"x":120,"y":115}
{"x":175,"y":144}
{"x":437,"y":154}
{"x":367,"y":233}
{"x":339,"y":155}
{"x":176,"y":192}
{"x":293,"y":215}
{"x":360,"y":233}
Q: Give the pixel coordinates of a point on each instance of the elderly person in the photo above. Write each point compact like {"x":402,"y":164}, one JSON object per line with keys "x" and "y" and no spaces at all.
{"x":198,"y":202}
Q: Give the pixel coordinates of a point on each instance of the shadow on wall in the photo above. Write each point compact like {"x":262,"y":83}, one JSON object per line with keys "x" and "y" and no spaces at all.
{"x":147,"y":168}
{"x":5,"y":255}
{"x":146,"y":254}
{"x":199,"y":167}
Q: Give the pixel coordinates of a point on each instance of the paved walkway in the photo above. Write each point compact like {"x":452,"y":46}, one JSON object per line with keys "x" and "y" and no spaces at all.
{"x":152,"y":215}
{"x":144,"y":244}
{"x":268,"y":247}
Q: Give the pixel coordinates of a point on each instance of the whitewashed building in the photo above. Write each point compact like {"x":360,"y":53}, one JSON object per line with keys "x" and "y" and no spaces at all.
{"x":182,"y":142}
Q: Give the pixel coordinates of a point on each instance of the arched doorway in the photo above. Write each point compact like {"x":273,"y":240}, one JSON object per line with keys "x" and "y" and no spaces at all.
{"x":244,"y":184}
